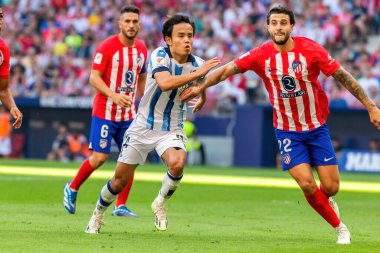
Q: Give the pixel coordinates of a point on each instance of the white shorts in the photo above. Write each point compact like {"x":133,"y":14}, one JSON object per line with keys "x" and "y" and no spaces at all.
{"x":139,"y":142}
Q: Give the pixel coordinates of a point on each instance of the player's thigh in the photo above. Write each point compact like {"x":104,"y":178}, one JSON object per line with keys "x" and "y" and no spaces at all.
{"x":135,"y":149}
{"x":321,"y":149}
{"x":171,"y":148}
{"x":303,"y":175}
{"x":101,"y":135}
{"x":329,"y":177}
{"x":292,"y":149}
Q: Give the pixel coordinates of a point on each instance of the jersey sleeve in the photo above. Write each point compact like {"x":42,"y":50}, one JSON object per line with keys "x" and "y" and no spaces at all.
{"x":326,"y":63}
{"x":145,"y":53}
{"x":101,"y":58}
{"x":247,"y":61}
{"x":4,"y":62}
{"x":160,"y":61}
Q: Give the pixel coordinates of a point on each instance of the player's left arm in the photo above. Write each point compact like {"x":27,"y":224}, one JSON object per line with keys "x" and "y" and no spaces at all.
{"x":7,"y":100}
{"x":141,"y":85}
{"x":349,"y":82}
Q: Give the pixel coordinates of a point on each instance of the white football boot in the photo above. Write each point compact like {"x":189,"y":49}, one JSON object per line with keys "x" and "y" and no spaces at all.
{"x":95,"y":223}
{"x":160,"y":220}
{"x":344,"y":236}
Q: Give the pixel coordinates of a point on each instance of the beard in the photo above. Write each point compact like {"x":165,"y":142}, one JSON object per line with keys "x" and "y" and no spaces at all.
{"x":130,"y":37}
{"x":281,"y":42}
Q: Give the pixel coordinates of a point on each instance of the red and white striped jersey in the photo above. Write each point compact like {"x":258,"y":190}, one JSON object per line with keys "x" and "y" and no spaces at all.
{"x":121,"y":66}
{"x":291,"y":79}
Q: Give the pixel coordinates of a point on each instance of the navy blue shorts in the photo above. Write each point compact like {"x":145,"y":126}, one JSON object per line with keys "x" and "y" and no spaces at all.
{"x":103,"y":131}
{"x":313,"y":147}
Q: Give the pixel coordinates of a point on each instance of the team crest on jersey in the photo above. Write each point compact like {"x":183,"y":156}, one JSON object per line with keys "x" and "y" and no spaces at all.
{"x":139,"y":59}
{"x":1,"y":58}
{"x":98,"y":58}
{"x":297,"y":67}
{"x":286,"y":159}
{"x":103,"y":143}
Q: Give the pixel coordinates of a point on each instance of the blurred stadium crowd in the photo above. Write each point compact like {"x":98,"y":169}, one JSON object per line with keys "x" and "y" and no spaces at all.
{"x":52,"y":41}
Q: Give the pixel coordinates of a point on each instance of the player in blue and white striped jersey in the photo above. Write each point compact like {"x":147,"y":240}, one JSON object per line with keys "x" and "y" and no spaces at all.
{"x":159,"y":121}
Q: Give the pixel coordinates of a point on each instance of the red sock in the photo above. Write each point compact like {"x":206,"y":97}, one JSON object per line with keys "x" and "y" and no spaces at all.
{"x":83,"y":173}
{"x":123,"y":195}
{"x":319,"y":202}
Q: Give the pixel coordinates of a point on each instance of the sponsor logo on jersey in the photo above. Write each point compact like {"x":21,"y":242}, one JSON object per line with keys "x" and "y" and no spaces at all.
{"x":98,"y":58}
{"x":293,"y":94}
{"x":160,"y":61}
{"x":297,"y":67}
{"x":103,"y":143}
{"x":272,"y":70}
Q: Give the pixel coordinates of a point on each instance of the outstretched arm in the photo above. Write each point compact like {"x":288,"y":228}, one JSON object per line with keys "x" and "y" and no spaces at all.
{"x":217,"y":76}
{"x":349,"y":82}
{"x":7,"y":100}
{"x":167,"y":82}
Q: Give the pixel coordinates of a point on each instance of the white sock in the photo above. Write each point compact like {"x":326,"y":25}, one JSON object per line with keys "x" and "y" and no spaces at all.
{"x":107,"y":196}
{"x":169,"y":185}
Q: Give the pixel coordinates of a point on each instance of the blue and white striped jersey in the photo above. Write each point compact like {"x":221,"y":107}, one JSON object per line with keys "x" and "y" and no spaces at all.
{"x":163,"y":111}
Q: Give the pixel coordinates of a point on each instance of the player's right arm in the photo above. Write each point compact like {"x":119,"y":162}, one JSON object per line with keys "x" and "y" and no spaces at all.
{"x":166,"y":81}
{"x":217,"y":76}
{"x":97,"y":82}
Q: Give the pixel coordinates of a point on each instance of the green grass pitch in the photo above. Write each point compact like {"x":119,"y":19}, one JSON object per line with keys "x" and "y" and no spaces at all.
{"x":202,"y":217}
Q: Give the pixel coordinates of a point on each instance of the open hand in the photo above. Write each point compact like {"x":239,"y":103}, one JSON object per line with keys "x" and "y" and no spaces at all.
{"x":17,"y":115}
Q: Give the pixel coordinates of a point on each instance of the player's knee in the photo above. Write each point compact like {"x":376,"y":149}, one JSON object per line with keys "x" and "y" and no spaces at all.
{"x":331,"y":189}
{"x":308,"y":186}
{"x":98,"y":159}
{"x":176,"y":166}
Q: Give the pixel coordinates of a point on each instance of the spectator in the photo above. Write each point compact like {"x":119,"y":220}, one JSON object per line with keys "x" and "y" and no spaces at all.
{"x":60,"y":146}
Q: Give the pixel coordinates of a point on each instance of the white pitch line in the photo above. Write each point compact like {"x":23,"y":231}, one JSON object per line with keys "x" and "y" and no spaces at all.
{"x":352,"y":186}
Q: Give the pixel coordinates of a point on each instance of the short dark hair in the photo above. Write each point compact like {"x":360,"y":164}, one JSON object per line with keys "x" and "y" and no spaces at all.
{"x":130,"y":8}
{"x":167,"y":29}
{"x":281,"y":10}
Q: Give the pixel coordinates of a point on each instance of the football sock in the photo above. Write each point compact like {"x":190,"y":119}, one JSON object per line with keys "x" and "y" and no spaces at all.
{"x":107,"y":196}
{"x":320,"y":203}
{"x":83,"y":173}
{"x":123,"y":195}
{"x":169,"y":185}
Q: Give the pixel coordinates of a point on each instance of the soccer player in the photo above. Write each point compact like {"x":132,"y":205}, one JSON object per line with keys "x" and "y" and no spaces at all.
{"x":159,"y":121}
{"x":6,"y":97}
{"x":119,"y":75}
{"x":289,"y":67}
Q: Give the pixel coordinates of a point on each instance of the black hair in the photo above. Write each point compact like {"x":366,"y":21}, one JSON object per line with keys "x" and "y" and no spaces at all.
{"x":281,"y":10}
{"x":167,"y":28}
{"x":130,"y":8}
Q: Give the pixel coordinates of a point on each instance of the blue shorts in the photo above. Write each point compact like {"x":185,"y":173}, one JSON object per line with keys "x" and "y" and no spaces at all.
{"x":103,"y":131}
{"x":313,"y":147}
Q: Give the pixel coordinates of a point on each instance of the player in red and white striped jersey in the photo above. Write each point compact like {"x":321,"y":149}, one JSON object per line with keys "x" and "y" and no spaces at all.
{"x":289,"y":67}
{"x":118,"y":74}
{"x":6,"y":97}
